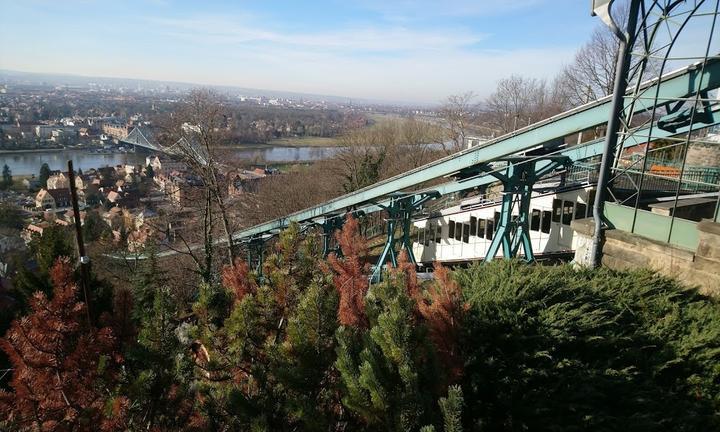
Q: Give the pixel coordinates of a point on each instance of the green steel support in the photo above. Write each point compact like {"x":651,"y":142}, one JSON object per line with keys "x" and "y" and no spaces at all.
{"x":329,"y":227}
{"x":400,"y":211}
{"x":256,"y":255}
{"x":518,"y":180}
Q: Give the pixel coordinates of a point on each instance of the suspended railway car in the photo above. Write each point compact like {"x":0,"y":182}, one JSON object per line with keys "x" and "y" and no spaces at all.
{"x":464,"y":232}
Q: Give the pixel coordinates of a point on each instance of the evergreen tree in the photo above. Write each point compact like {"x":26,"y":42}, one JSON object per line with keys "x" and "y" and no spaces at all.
{"x":44,"y":175}
{"x":7,"y":180}
{"x":10,"y":217}
{"x":54,"y":243}
{"x":94,"y":227}
{"x":62,"y":367}
{"x":389,"y":372}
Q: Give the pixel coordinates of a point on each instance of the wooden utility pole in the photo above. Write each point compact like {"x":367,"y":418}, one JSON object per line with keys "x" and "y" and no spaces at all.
{"x":84,"y":259}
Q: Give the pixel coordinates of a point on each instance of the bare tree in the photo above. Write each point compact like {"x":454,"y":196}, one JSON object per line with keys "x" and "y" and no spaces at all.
{"x":197,"y":132}
{"x":519,"y":101}
{"x":458,"y":112}
{"x":591,"y":75}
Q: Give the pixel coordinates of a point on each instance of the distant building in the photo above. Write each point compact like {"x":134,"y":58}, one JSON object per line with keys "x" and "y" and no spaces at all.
{"x":51,"y":199}
{"x":472,"y":141}
{"x":244,"y":181}
{"x":115,"y":130}
{"x":61,"y":180}
{"x":58,"y":181}
{"x":44,"y":131}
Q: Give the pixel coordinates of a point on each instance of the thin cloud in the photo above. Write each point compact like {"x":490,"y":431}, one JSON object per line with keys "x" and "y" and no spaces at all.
{"x":219,"y":30}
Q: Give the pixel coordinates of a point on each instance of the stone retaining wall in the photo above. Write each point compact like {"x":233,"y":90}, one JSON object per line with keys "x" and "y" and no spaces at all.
{"x":623,"y":250}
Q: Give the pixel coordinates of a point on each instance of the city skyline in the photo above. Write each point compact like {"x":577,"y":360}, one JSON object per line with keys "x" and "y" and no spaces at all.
{"x":392,"y":51}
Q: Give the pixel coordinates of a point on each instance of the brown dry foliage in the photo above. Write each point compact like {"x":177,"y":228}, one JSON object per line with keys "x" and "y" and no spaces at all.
{"x":237,"y":278}
{"x":349,"y":274}
{"x":56,"y":356}
{"x":443,"y":310}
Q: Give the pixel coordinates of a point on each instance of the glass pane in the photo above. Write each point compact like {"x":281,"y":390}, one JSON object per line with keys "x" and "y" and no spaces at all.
{"x":466,"y":233}
{"x":458,"y":231}
{"x":545,"y":226}
{"x":490,"y":229}
{"x":557,"y":210}
{"x":535,"y":220}
{"x":451,"y":229}
{"x":567,"y":213}
{"x":438,"y":235}
{"x":481,"y":228}
{"x":473,"y":226}
{"x":580,"y":210}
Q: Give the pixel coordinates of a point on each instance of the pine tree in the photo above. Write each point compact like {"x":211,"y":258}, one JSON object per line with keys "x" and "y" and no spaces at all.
{"x":389,"y":371}
{"x":44,"y":175}
{"x":7,"y":180}
{"x":63,"y":368}
{"x":350,"y":274}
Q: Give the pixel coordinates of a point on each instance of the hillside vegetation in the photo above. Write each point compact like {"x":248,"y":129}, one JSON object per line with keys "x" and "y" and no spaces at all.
{"x":310,"y":345}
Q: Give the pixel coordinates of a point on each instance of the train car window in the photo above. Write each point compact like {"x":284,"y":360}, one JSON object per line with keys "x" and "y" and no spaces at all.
{"x":451,"y":230}
{"x":545,"y":225}
{"x":535,"y":220}
{"x":557,"y":210}
{"x":473,"y":226}
{"x":490,"y":229}
{"x":466,"y":233}
{"x":580,"y":210}
{"x":591,"y":203}
{"x":438,"y":235}
{"x":481,"y":228}
{"x":568,"y":207}
{"x":458,"y":231}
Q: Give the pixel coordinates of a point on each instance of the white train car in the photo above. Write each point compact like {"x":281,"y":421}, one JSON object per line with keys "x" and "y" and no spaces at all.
{"x":464,"y":232}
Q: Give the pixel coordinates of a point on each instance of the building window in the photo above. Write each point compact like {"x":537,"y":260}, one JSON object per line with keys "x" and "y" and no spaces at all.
{"x":490,"y":229}
{"x":427,"y":234}
{"x":481,"y":228}
{"x":557,"y":210}
{"x":496,"y":219}
{"x":451,"y":229}
{"x":535,"y":220}
{"x":545,"y":225}
{"x":580,"y":210}
{"x":438,"y":234}
{"x":458,"y":231}
{"x":473,"y":226}
{"x":466,"y":233}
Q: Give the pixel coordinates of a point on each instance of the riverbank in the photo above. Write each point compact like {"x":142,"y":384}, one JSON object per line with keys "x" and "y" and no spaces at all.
{"x":41,"y":150}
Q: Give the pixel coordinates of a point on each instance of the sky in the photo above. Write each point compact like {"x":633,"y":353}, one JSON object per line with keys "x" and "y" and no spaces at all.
{"x":393,"y":50}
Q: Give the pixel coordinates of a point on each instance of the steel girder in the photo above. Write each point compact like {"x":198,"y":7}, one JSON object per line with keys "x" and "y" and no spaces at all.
{"x":678,"y":84}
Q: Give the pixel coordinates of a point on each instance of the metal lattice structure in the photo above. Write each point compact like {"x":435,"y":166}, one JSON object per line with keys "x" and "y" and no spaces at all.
{"x":659,"y":35}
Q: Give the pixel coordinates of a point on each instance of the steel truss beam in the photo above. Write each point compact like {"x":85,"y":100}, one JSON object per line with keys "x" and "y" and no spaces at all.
{"x":678,"y":84}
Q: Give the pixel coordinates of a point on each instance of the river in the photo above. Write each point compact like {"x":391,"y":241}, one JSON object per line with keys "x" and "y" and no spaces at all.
{"x":26,"y":163}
